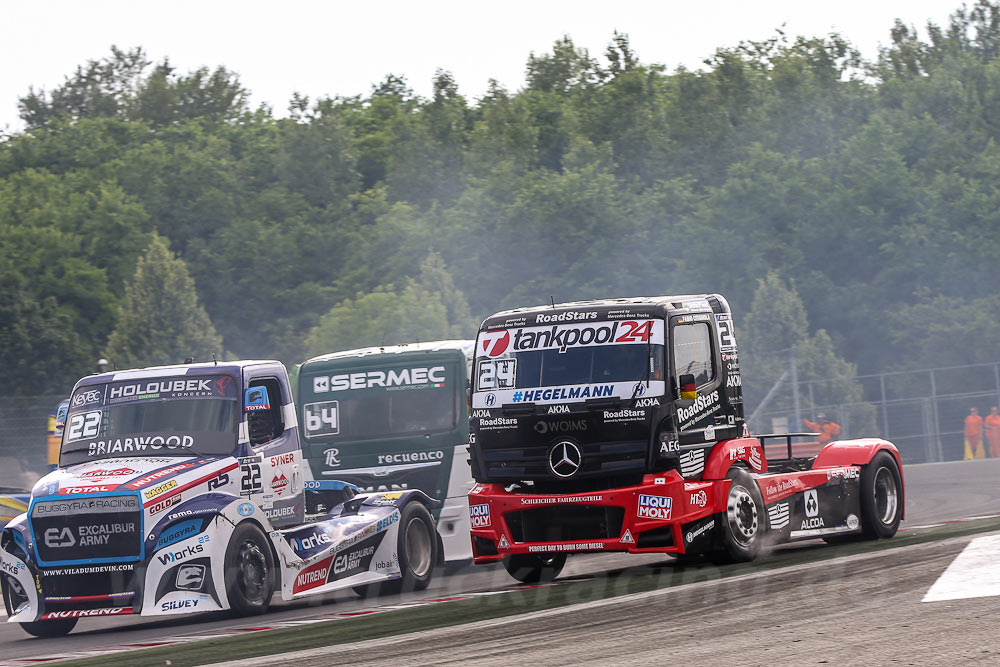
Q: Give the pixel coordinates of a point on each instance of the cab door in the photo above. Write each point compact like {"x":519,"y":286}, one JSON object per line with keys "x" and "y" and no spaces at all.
{"x":272,"y":477}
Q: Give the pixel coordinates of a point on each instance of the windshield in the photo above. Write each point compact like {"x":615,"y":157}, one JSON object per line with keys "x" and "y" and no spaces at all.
{"x":382,"y":403}
{"x":168,"y":416}
{"x":595,"y":360}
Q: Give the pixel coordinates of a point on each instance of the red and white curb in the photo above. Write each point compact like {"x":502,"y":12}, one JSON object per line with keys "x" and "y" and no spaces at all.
{"x":239,"y":631}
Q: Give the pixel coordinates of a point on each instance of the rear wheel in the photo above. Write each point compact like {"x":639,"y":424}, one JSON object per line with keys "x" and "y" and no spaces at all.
{"x":532,"y":569}
{"x":417,"y":549}
{"x":881,"y":497}
{"x":59,"y":627}
{"x":249,"y":570}
{"x":743,"y":522}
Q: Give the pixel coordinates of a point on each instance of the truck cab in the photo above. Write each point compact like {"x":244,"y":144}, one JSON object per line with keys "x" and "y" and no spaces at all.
{"x":393,"y":418}
{"x":183,"y":489}
{"x":618,"y":425}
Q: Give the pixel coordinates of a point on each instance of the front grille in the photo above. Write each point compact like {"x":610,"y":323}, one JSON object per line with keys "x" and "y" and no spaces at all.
{"x":600,"y":459}
{"x":80,"y":528}
{"x":564,"y":523}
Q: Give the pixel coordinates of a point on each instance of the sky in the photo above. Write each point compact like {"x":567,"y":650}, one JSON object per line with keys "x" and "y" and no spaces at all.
{"x":343,"y":47}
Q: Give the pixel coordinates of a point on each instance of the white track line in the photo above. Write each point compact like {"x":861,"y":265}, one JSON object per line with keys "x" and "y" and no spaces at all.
{"x":975,"y":573}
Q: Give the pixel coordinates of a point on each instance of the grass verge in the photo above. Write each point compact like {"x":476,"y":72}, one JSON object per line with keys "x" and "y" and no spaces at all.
{"x":614,"y":583}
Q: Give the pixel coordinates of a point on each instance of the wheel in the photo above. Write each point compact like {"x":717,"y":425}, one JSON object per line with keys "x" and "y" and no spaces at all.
{"x":59,"y":627}
{"x":249,"y":570}
{"x":881,"y":497}
{"x":743,"y":524}
{"x":532,"y":569}
{"x":417,"y":550}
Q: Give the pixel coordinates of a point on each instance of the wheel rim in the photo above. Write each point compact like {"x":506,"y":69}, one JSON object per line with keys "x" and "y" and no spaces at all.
{"x":418,"y":547}
{"x":886,"y":496}
{"x":251,"y":571}
{"x":741,"y":512}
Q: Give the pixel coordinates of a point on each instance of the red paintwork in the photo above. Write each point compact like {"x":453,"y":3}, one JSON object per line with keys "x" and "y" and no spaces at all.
{"x":836,"y":459}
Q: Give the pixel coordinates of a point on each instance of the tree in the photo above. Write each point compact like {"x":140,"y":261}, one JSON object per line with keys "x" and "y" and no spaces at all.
{"x":161,"y":321}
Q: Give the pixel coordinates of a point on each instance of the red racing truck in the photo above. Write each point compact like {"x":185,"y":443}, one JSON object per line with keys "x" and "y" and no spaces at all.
{"x":618,"y":425}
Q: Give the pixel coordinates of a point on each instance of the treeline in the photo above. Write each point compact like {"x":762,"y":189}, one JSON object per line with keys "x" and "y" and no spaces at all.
{"x":869,"y":190}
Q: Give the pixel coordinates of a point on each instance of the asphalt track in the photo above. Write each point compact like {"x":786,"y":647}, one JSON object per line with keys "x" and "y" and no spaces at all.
{"x":791,"y":614}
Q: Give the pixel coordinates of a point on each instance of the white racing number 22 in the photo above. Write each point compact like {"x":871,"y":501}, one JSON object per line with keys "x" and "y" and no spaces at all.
{"x":85,"y":425}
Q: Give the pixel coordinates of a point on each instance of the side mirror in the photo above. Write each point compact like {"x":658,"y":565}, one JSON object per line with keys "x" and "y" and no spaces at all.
{"x":689,"y":390}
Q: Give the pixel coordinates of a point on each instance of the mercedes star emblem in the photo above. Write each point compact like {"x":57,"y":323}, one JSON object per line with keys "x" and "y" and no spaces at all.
{"x":565,"y":459}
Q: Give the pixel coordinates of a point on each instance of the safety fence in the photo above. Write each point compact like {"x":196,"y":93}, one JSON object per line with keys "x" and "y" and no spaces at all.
{"x":24,"y":428}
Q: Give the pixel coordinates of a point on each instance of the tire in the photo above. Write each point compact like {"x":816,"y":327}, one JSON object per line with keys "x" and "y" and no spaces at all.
{"x":417,"y":550}
{"x":533,"y":569}
{"x":881,"y":497}
{"x":59,"y":627}
{"x":250,"y":571}
{"x":744,"y":522}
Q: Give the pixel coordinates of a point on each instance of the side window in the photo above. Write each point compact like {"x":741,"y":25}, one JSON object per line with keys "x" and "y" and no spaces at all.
{"x":265,"y":423}
{"x":693,"y":352}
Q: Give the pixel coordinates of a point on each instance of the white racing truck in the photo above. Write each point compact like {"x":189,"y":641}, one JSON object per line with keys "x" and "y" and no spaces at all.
{"x":183,"y":489}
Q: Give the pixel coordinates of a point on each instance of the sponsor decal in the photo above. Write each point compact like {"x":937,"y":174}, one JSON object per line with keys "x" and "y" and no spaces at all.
{"x":161,"y":505}
{"x":660,"y":480}
{"x":480,"y":414}
{"x":477,"y":490}
{"x":183,"y":554}
{"x":77,"y":613}
{"x":692,"y":462}
{"x":190,"y":577}
{"x":755,"y":459}
{"x":490,"y":400}
{"x":703,"y":406}
{"x":700,"y":499}
{"x":313,"y":576}
{"x":781,"y":486}
{"x":139,"y":443}
{"x":178,"y":532}
{"x":814,"y":522}
{"x":89,"y":535}
{"x":496,"y":374}
{"x":480,"y":515}
{"x":395,"y":379}
{"x":332,"y":457}
{"x":321,"y":384}
{"x":611,"y":416}
{"x":778,"y":515}
{"x":579,"y":546}
{"x":116,"y":472}
{"x":76,"y":490}
{"x":654,"y":507}
{"x":88,"y":397}
{"x":543,"y":318}
{"x":353,"y":560}
{"x":692,"y":535}
{"x":852,"y":522}
{"x":494,"y":343}
{"x":734,"y":381}
{"x":564,"y":426}
{"x":497,"y":423}
{"x":279,"y":512}
{"x":179,"y":604}
{"x":411,"y":457}
{"x":279,"y":483}
{"x":11,"y":568}
{"x":174,"y":388}
{"x":843,"y":473}
{"x":309,"y":542}
{"x":387,"y":521}
{"x":282,"y":459}
{"x":224,"y":386}
{"x":92,"y":569}
{"x":558,"y":410}
{"x":710,"y":433}
{"x":811,"y":499}
{"x":85,"y":505}
{"x":668,"y":446}
{"x":562,"y":393}
{"x":159,"y":474}
{"x":548,"y":500}
{"x":647,"y":403}
{"x":157,"y":490}
{"x":256,"y":399}
{"x":563,"y":337}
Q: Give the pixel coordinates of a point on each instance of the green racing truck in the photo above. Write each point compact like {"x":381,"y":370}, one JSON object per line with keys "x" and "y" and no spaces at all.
{"x":391,"y":419}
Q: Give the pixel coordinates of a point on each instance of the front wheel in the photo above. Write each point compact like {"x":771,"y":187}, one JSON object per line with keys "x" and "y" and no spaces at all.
{"x":743,"y":522}
{"x":532,"y":569}
{"x":249,"y":570}
{"x":881,"y":497}
{"x":59,"y":627}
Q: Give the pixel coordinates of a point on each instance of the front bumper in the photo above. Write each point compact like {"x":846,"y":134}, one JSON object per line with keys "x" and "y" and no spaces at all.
{"x":664,"y":514}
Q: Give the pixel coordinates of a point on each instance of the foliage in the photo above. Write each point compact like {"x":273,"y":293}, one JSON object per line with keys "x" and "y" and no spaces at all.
{"x":862,"y":197}
{"x":161,"y":321}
